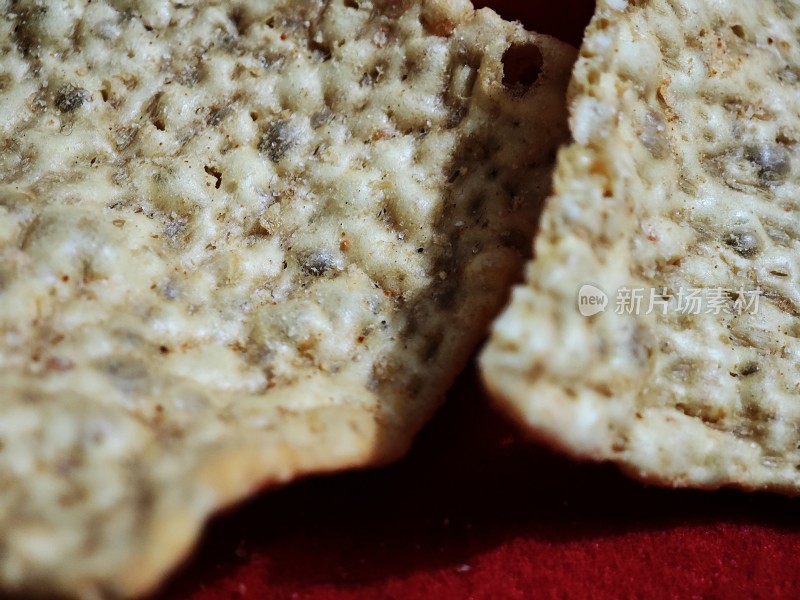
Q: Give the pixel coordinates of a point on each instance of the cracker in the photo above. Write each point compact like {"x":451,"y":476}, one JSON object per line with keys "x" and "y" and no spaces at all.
{"x":239,"y":243}
{"x":683,"y":176}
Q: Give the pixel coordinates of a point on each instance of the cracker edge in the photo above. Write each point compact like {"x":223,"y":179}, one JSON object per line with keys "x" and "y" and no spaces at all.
{"x":237,"y":474}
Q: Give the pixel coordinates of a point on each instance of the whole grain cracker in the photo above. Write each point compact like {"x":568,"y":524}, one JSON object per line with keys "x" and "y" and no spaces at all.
{"x":241,"y":242}
{"x":683,"y":179}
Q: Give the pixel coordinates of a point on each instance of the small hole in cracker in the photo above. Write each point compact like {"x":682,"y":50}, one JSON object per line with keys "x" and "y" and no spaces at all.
{"x":522,"y":67}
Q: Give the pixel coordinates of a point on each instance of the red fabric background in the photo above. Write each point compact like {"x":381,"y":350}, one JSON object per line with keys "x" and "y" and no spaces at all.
{"x":475,"y":512}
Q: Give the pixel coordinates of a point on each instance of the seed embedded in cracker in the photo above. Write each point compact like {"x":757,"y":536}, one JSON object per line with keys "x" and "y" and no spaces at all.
{"x":239,"y":243}
{"x":674,"y":230}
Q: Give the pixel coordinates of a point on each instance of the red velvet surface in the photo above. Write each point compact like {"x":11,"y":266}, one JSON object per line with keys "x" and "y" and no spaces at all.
{"x":476,"y":512}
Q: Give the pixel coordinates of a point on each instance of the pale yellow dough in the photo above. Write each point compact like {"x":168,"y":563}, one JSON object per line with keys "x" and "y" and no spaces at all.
{"x":684,"y":175}
{"x":241,"y":242}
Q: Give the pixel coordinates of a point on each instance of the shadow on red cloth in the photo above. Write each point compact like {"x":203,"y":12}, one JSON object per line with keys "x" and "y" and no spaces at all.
{"x":474,"y":511}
